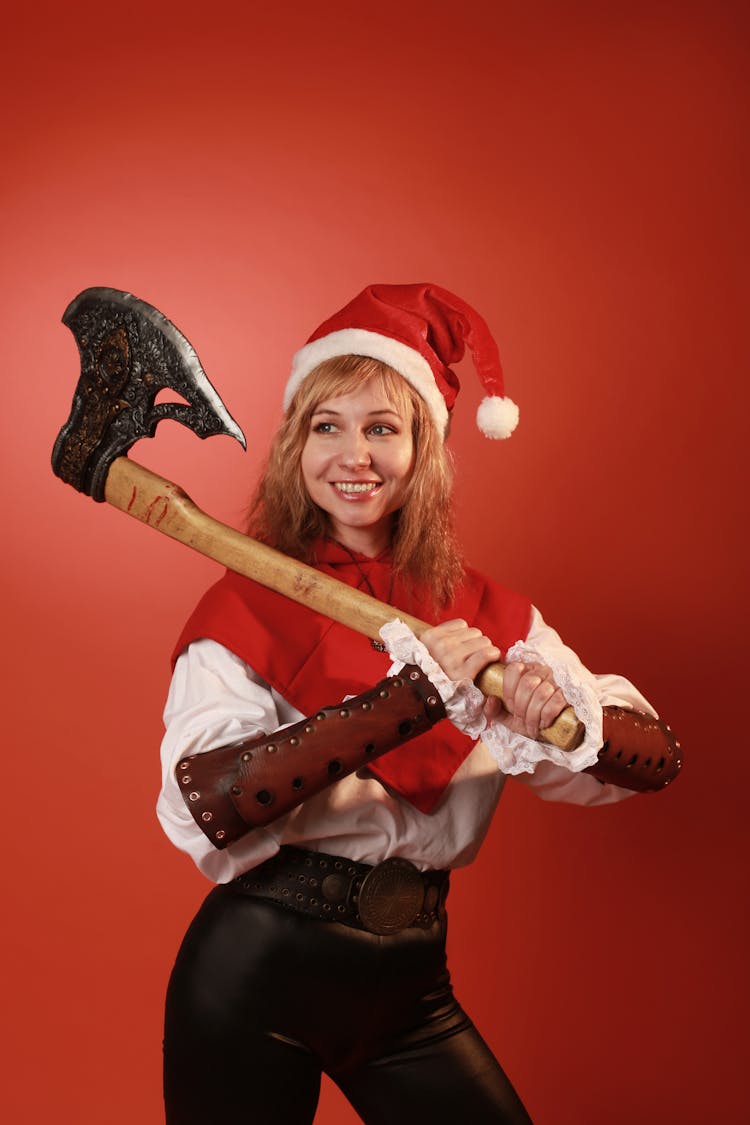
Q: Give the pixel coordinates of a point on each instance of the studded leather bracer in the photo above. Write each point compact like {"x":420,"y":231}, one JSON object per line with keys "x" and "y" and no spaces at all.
{"x":639,"y":752}
{"x":236,"y":788}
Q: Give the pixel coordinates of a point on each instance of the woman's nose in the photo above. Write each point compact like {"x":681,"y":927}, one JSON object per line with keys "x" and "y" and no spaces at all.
{"x":355,"y":451}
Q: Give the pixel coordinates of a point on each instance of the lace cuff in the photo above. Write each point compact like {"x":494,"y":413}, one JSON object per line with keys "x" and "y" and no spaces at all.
{"x":515,"y":753}
{"x":462,"y":699}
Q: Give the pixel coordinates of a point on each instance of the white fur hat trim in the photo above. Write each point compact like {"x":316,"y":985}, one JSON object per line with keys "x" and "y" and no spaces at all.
{"x":360,"y":341}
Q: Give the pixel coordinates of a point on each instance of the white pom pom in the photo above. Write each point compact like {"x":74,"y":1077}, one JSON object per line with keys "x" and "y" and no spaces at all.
{"x":497,"y":417}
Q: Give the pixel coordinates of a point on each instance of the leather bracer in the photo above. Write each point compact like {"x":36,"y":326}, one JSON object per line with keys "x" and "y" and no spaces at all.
{"x":235,"y":788}
{"x":639,"y":752}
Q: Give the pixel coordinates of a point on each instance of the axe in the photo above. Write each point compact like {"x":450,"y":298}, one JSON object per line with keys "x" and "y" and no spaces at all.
{"x":129,"y":353}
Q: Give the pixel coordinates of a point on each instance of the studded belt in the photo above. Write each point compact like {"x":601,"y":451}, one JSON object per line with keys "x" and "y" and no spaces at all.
{"x":385,"y":899}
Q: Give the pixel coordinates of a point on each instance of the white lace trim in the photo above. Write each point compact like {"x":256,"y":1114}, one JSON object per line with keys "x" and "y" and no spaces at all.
{"x":514,"y":753}
{"x":462,"y":698}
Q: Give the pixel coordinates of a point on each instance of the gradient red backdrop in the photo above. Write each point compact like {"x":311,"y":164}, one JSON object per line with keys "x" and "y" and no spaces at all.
{"x":579,"y":172}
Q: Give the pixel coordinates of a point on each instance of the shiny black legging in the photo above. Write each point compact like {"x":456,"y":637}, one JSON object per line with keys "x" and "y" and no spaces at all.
{"x":262,"y":999}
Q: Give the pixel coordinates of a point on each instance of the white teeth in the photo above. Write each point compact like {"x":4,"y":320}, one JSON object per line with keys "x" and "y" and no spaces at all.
{"x":350,"y":486}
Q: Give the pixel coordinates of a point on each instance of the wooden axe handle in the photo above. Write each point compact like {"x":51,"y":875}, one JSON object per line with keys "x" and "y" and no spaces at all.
{"x":167,"y":508}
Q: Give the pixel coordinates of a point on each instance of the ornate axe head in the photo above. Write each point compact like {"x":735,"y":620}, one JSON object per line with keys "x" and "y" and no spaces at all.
{"x":129,"y":353}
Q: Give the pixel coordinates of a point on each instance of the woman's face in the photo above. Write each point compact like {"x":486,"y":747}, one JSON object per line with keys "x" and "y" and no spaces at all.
{"x":356,"y":463}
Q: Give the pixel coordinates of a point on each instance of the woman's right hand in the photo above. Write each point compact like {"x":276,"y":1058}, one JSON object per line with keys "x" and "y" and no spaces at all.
{"x":461,"y":650}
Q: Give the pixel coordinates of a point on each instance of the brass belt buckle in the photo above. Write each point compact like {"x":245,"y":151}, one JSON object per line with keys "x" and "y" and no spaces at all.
{"x":390,"y":897}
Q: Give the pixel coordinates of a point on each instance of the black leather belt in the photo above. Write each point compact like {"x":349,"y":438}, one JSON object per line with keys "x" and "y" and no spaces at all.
{"x":384,"y":899}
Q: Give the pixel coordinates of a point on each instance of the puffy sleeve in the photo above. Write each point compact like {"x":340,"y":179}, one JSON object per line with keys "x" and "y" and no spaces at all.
{"x":214,"y":700}
{"x":554,"y":774}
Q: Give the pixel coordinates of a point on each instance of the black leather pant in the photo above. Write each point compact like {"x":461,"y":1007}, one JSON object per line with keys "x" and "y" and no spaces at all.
{"x":261,"y":1000}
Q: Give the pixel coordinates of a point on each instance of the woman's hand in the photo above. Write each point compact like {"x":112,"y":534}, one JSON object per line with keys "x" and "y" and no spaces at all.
{"x":530,"y":696}
{"x":460,"y":650}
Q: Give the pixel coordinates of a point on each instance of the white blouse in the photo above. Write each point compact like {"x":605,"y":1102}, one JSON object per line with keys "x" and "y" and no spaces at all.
{"x":215,"y":700}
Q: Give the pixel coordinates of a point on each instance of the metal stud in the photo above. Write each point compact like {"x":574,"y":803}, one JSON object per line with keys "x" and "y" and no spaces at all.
{"x":220,"y":834}
{"x":246,"y":756}
{"x":294,"y":742}
{"x":194,"y":796}
{"x":432,"y":700}
{"x":271,"y":748}
{"x":384,"y":694}
{"x":344,"y":713}
{"x":309,"y":729}
{"x":320,"y":716}
{"x":207,"y":816}
{"x":414,"y":675}
{"x":397,"y":682}
{"x":367,"y":706}
{"x":186,"y":779}
{"x":184,"y":765}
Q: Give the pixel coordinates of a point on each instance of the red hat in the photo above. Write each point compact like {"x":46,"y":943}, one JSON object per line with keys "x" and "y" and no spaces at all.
{"x":418,"y":330}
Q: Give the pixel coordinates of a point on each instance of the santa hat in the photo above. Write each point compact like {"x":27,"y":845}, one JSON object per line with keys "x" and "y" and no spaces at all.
{"x":418,"y":330}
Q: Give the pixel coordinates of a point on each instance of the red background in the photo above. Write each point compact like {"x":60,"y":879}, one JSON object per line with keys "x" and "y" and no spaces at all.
{"x":577,"y":171}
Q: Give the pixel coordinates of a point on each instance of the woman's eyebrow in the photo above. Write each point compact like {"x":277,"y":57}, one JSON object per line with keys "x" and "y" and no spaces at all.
{"x":370,"y":413}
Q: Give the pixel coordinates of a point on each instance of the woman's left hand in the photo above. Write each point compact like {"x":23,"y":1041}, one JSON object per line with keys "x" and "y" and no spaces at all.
{"x":530,"y":696}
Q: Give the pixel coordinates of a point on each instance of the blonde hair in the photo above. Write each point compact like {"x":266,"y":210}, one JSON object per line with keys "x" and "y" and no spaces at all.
{"x":425,"y":551}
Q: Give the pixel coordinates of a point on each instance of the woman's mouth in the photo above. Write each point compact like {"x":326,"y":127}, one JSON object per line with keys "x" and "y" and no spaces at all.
{"x":352,"y":489}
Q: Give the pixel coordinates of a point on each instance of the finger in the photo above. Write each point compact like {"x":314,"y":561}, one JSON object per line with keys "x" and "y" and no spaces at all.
{"x":444,"y":629}
{"x":511,"y":678}
{"x":554,"y":706}
{"x":461,"y":650}
{"x":537,"y":701}
{"x":439,"y":639}
{"x":465,"y":662}
{"x":492,"y":708}
{"x":527,"y":684}
{"x":474,"y":662}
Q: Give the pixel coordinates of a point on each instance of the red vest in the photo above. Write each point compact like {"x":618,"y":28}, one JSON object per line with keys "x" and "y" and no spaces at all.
{"x":314,"y":662}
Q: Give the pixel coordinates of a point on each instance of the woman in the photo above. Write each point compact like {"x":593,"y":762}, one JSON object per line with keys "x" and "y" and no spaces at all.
{"x":329,"y":823}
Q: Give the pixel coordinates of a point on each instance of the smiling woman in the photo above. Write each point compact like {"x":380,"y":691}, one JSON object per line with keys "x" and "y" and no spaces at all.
{"x":424,"y":552}
{"x":322,"y":949}
{"x":356,"y":464}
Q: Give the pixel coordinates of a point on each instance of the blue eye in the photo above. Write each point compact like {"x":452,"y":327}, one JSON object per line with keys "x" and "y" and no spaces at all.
{"x":324,"y":428}
{"x":380,"y":429}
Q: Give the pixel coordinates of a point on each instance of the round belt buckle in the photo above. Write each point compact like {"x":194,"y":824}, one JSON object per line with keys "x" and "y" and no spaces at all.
{"x":390,"y":897}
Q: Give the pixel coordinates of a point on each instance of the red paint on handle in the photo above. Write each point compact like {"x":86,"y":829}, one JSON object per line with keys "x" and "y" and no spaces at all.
{"x":162,"y":514}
